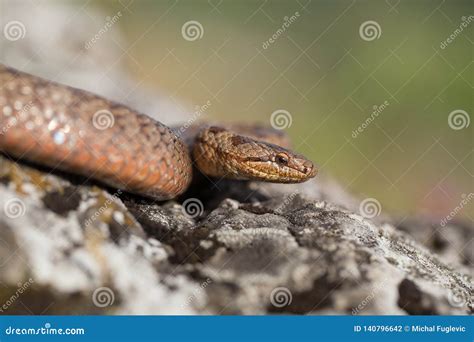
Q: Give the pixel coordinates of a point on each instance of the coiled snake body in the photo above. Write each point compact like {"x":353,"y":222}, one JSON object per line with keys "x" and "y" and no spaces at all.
{"x":79,"y":132}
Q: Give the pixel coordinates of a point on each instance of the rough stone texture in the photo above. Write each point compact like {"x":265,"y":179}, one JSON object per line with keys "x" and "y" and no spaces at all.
{"x":453,"y":242}
{"x":231,"y":248}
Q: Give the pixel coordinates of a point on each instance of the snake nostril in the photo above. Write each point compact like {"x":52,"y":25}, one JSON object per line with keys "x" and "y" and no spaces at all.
{"x":308,"y":168}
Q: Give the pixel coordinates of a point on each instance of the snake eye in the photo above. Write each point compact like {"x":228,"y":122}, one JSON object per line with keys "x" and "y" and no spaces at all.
{"x":282,"y":159}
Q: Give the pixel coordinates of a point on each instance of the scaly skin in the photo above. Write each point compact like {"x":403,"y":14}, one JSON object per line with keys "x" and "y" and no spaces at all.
{"x":222,"y":152}
{"x":79,"y":132}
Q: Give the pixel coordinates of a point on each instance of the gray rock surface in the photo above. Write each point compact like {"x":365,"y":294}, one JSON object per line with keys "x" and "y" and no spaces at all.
{"x":237,"y":248}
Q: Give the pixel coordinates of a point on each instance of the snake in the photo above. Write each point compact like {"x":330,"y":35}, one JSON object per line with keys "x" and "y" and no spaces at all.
{"x":82,"y":133}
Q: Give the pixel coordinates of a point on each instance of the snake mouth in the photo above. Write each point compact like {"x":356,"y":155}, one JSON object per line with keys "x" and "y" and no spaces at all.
{"x":310,"y":170}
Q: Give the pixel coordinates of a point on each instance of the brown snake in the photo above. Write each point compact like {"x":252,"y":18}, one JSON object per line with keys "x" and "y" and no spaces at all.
{"x":79,"y":132}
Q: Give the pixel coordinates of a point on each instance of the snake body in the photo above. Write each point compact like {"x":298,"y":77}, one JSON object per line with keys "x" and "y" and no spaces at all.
{"x":82,"y":133}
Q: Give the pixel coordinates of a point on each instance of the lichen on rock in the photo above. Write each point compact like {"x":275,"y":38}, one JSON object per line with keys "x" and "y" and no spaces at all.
{"x":74,"y":247}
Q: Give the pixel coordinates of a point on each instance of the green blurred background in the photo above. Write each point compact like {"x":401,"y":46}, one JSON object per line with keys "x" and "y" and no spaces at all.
{"x":328,"y":78}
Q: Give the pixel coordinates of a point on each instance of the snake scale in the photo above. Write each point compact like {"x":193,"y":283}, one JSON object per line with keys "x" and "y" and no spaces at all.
{"x":78,"y":132}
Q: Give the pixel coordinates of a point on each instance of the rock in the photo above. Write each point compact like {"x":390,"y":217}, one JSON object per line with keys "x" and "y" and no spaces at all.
{"x":226,"y":248}
{"x":452,"y":241}
{"x":79,"y":250}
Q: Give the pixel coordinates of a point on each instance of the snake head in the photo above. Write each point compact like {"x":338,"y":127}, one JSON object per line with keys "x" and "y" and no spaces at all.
{"x":273,"y":163}
{"x":219,"y":152}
